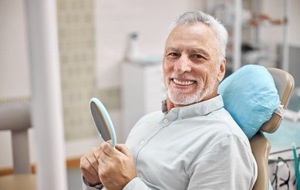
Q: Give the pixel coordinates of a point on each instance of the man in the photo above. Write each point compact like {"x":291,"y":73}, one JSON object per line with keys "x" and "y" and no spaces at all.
{"x":195,"y":144}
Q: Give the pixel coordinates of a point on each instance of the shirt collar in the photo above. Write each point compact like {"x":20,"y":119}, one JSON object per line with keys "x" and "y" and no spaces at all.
{"x":201,"y":108}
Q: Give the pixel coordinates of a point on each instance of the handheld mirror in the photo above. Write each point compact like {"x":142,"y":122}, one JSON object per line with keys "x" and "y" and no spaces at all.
{"x":103,"y":122}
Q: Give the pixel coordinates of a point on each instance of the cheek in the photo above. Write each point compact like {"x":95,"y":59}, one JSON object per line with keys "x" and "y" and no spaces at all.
{"x":201,"y":73}
{"x":205,"y":77}
{"x":165,"y":72}
{"x":167,"y":68}
{"x":211,"y":80}
{"x":165,"y":64}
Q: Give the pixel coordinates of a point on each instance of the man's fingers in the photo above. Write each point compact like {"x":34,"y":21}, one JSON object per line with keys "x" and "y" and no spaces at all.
{"x":93,"y":163}
{"x":89,"y":174}
{"x":122,"y":148}
{"x":111,"y":151}
{"x":107,"y":149}
{"x":89,"y":167}
{"x":89,"y":161}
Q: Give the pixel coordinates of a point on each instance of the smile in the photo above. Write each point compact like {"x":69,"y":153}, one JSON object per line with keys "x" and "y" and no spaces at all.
{"x":183,"y":82}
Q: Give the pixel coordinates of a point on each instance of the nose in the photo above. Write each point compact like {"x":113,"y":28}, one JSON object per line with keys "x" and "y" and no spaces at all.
{"x":182,"y":65}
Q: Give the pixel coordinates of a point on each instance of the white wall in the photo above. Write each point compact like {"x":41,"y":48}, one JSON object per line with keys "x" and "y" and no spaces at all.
{"x":14,"y":65}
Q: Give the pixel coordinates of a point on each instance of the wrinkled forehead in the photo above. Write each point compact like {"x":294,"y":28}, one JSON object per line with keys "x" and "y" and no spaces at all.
{"x":197,"y":34}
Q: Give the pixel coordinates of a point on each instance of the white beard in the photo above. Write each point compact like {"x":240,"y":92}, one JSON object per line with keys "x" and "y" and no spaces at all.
{"x":179,"y":97}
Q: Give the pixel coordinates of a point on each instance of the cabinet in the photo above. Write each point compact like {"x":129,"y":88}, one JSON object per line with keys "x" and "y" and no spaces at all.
{"x":142,"y":92}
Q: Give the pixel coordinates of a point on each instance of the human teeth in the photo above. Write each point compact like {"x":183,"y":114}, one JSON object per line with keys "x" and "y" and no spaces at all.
{"x":183,"y":83}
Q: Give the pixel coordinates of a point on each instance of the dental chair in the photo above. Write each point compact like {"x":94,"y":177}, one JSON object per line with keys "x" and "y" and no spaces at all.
{"x":260,"y":145}
{"x":251,"y":94}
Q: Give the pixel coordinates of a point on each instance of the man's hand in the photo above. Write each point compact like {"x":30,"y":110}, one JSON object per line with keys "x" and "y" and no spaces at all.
{"x":116,"y":166}
{"x":89,"y":166}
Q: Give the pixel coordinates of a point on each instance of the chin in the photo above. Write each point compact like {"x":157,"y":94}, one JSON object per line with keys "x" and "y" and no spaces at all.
{"x":181,"y":99}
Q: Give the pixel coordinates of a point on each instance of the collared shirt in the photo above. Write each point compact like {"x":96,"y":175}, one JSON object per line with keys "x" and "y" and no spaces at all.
{"x":193,"y":147}
{"x":190,"y":148}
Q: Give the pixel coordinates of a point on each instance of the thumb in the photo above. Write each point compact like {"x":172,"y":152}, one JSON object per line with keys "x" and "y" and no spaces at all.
{"x":123,"y":149}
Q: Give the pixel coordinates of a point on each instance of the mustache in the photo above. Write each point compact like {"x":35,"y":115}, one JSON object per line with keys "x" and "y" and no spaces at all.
{"x":183,"y":76}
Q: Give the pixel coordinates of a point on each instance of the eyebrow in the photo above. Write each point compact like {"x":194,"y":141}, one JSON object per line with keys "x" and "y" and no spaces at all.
{"x":172,"y":49}
{"x":193,"y":50}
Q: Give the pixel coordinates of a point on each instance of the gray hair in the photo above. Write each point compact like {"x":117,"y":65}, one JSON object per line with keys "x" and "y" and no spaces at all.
{"x":216,"y":26}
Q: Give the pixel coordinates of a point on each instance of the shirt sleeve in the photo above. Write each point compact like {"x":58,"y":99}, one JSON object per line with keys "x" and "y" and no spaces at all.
{"x":86,"y":186}
{"x":136,"y":184}
{"x":229,"y":164}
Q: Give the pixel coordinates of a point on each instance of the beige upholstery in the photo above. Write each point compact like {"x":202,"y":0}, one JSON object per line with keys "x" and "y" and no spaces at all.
{"x":259,"y":144}
{"x":15,"y":116}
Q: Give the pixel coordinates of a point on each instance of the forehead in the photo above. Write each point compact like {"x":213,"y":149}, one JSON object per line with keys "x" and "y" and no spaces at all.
{"x":196,"y":35}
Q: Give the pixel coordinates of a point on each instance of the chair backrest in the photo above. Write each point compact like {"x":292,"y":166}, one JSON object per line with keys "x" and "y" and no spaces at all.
{"x":260,"y":145}
{"x":15,"y":116}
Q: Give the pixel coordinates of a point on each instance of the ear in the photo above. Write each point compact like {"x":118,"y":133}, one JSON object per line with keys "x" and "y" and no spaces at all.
{"x":222,"y":70}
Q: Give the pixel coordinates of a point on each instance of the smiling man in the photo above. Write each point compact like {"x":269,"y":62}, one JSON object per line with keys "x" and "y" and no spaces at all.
{"x":193,"y":143}
{"x":193,"y":66}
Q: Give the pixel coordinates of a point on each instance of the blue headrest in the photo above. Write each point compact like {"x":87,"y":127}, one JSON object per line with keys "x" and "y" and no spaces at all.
{"x":250,"y":96}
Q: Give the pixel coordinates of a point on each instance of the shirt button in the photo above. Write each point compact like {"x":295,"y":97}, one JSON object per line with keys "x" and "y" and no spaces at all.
{"x":142,"y":142}
{"x":166,"y":121}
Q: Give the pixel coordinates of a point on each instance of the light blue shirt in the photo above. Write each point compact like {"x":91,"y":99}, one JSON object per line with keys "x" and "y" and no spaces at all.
{"x":193,"y":147}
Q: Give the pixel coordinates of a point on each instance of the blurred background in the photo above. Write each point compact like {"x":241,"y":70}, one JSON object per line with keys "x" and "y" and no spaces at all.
{"x":112,"y":50}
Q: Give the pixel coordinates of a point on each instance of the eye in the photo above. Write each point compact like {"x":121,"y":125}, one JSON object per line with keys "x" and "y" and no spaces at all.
{"x":173,"y":55}
{"x":197,"y":56}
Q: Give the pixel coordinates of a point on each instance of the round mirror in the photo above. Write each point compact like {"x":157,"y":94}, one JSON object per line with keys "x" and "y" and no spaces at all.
{"x":103,"y":122}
